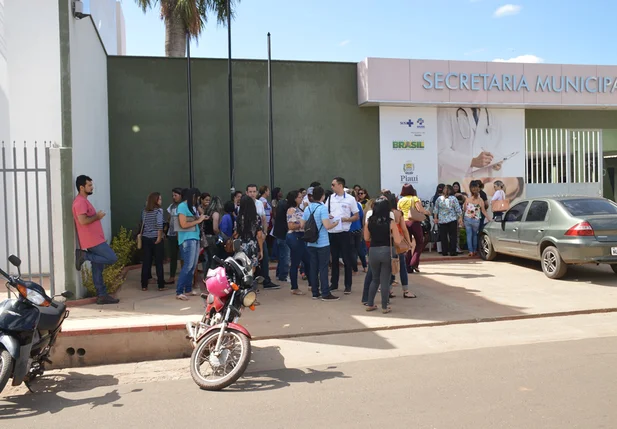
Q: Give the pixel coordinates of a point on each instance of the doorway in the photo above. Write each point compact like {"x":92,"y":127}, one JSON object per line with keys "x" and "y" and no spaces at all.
{"x":609,"y":155}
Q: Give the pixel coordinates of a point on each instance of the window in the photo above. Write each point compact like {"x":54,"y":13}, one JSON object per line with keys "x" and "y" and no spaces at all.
{"x":562,"y":155}
{"x":515,"y":214}
{"x":589,"y":207}
{"x":537,"y":212}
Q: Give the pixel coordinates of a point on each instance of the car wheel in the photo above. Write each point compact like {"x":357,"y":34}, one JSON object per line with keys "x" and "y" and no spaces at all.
{"x":553,"y":266}
{"x":487,"y":251}
{"x":614,"y":267}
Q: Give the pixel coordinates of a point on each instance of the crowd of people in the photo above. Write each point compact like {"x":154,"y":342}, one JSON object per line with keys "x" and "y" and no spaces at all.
{"x":385,"y":235}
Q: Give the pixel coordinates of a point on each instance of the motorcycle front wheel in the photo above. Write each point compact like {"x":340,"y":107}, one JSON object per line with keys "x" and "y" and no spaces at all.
{"x":6,"y":367}
{"x":212,"y":372}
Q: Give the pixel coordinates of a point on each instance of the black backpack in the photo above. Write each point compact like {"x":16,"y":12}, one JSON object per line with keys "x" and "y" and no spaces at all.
{"x":311,"y":232}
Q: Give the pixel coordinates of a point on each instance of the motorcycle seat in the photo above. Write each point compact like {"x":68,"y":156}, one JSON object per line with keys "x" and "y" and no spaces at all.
{"x":51,"y":317}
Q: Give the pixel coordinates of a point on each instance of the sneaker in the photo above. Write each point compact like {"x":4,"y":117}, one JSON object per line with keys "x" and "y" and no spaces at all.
{"x":106,"y":299}
{"x":330,"y":298}
{"x":317,"y":297}
{"x":271,"y":286}
{"x":347,"y":291}
{"x":80,"y":258}
{"x":333,"y":288}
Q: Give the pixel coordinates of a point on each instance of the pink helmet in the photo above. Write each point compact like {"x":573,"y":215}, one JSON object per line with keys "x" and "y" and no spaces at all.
{"x":217,"y":284}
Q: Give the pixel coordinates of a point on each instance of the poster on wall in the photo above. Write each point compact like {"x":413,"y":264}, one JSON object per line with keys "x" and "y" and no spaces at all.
{"x":484,"y":144}
{"x":408,"y":149}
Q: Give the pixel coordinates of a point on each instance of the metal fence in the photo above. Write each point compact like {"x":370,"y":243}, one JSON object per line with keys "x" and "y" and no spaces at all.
{"x":25,"y":216}
{"x":563,"y":156}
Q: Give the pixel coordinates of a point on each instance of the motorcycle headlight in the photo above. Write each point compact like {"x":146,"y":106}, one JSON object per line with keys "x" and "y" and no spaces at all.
{"x":32,"y":296}
{"x":249,"y":298}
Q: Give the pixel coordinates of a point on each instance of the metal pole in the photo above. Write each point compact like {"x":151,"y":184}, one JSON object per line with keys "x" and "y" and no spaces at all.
{"x":190,"y":109}
{"x":232,"y":172}
{"x":270,"y":127}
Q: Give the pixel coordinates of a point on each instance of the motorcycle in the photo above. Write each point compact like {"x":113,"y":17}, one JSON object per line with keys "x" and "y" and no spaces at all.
{"x":218,"y":341}
{"x":29,"y":326}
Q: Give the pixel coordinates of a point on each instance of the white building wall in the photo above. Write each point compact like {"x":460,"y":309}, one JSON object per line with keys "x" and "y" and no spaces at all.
{"x":4,"y":80}
{"x":104,"y":16}
{"x":90,"y":113}
{"x":121,"y":30}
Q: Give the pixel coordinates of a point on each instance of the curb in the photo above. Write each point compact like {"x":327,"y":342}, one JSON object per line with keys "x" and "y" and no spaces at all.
{"x":181,"y":326}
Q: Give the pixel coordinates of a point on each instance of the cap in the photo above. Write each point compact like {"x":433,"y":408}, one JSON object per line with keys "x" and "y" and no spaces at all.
{"x":309,"y":191}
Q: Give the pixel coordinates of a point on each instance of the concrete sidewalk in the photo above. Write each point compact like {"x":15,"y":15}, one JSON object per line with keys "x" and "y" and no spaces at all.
{"x":456,"y":291}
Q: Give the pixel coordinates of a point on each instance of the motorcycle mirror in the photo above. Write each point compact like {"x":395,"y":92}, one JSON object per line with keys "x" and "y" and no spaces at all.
{"x":15,"y":260}
{"x":237,"y":245}
{"x":67,"y":294}
{"x":259,"y":279}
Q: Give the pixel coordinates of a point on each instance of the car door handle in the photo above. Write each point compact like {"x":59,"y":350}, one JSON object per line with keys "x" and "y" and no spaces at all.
{"x":540,"y":230}
{"x":515,"y":229}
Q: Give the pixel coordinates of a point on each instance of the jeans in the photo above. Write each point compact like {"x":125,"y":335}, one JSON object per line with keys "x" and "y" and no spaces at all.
{"x":415,"y":231}
{"x":172,"y":244}
{"x":381,"y":266}
{"x":189,"y":250}
{"x":358,"y":250}
{"x":341,"y":247}
{"x":318,"y":272}
{"x":299,"y":252}
{"x":282,"y":269}
{"x":404,"y":276}
{"x":471,"y":227}
{"x":151,"y":251}
{"x":99,"y":256}
{"x":448,"y":232}
{"x":265,"y":265}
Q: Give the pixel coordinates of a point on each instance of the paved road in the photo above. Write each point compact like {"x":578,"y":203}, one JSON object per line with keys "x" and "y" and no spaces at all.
{"x":547,"y":385}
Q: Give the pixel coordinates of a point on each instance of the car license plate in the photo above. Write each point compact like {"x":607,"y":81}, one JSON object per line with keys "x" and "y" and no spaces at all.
{"x":614,"y":251}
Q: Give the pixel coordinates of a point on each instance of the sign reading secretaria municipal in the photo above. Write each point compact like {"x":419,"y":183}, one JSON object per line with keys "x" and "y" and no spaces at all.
{"x":516,"y":83}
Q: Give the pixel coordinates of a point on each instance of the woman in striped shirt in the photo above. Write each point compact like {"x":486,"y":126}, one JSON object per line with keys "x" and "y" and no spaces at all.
{"x":152,"y":240}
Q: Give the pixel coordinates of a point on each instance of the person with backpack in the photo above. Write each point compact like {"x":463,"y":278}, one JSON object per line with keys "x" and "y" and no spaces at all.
{"x":316,"y":223}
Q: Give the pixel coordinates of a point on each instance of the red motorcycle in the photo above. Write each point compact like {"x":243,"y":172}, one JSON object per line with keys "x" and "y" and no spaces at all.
{"x":221,"y":346}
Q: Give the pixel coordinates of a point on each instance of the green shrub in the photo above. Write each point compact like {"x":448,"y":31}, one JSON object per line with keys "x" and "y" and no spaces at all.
{"x":124,"y":246}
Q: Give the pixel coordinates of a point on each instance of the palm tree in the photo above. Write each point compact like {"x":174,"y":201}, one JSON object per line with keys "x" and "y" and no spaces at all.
{"x":184,"y":17}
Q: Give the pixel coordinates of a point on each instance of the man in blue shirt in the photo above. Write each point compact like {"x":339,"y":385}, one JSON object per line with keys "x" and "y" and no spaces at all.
{"x":320,"y":250}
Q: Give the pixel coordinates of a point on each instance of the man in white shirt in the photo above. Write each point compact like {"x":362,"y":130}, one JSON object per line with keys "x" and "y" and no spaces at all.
{"x":341,"y":206}
{"x":251,"y":191}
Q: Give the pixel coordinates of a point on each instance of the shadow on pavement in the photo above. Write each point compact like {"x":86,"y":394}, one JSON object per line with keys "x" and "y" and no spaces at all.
{"x":278,"y":376}
{"x":47,"y":398}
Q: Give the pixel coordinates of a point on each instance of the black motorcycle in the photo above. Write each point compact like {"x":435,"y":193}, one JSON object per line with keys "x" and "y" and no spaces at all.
{"x":29,"y":326}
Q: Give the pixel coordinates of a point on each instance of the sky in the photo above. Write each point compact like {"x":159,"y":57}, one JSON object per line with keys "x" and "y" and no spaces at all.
{"x":549,"y":31}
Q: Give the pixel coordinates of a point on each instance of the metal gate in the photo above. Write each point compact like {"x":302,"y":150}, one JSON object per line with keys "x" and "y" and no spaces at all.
{"x":563,"y":161}
{"x":25,"y":216}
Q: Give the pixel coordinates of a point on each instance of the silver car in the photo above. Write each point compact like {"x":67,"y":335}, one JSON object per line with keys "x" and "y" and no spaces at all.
{"x":557,"y":231}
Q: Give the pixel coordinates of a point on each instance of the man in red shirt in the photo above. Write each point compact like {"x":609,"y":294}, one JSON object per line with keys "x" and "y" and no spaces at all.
{"x":92,"y":243}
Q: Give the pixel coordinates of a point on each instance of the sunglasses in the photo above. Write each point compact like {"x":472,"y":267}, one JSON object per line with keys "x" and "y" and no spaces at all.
{"x":360,"y":193}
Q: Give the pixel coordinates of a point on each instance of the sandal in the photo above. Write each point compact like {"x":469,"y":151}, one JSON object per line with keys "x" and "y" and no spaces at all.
{"x":408,"y":294}
{"x":182,"y":297}
{"x":371,"y":307}
{"x":162,"y":288}
{"x":194,"y":293}
{"x":392,"y":295}
{"x":297,"y":292}
{"x":144,"y":289}
{"x":386,"y":310}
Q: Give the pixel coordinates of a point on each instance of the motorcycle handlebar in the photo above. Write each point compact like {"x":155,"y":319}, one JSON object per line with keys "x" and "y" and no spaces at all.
{"x":217,"y":260}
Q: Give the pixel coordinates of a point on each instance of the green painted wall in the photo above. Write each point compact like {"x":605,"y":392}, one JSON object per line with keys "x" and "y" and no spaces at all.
{"x":319,"y":130}
{"x":597,"y":119}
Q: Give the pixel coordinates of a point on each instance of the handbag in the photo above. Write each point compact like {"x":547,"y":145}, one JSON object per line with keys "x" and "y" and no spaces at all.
{"x":435,"y":234}
{"x":404,"y":246}
{"x":415,"y":215}
{"x":139,"y":243}
{"x":500,"y":205}
{"x":177,"y":226}
{"x":395,"y":261}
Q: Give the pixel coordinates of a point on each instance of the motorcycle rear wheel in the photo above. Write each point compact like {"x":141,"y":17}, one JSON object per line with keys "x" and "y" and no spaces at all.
{"x":6,"y":367}
{"x":202,"y":355}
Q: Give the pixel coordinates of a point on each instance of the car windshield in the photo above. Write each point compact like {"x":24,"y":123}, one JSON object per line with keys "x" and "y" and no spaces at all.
{"x":589,"y":207}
